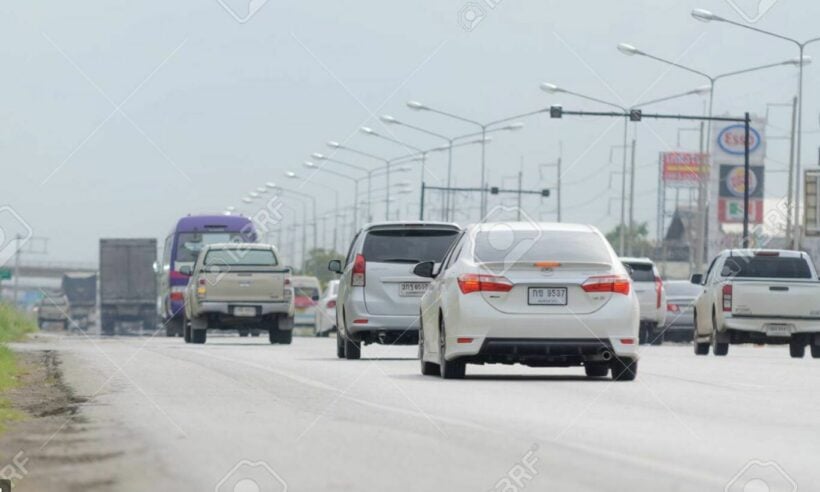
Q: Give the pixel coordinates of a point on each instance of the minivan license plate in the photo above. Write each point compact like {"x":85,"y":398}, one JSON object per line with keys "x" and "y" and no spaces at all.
{"x":412,"y":289}
{"x":244,"y":311}
{"x":547,"y":296}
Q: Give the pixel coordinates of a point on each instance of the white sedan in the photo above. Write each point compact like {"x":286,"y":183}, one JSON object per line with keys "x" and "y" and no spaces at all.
{"x":542,"y":295}
{"x":326,"y":310}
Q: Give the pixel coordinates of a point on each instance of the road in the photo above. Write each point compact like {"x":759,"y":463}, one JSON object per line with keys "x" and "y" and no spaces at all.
{"x":183,"y":416}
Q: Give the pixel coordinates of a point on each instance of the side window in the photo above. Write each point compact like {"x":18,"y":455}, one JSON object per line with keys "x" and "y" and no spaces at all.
{"x":352,"y":249}
{"x":166,"y":253}
{"x":711,"y":271}
{"x":455,"y":252}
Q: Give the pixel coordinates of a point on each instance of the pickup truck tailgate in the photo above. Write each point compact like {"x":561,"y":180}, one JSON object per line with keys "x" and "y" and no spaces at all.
{"x":776,"y":299}
{"x":244,"y":284}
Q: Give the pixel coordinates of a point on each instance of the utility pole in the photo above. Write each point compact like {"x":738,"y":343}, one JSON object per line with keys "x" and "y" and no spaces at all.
{"x":17,"y":247}
{"x":631,"y":200}
{"x":790,"y":193}
{"x":520,"y":184}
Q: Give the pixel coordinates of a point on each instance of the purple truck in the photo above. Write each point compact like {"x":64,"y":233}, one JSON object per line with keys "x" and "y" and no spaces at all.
{"x":181,"y":247}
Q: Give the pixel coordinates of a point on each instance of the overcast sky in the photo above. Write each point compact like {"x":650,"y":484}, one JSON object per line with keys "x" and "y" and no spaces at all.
{"x":117,"y":117}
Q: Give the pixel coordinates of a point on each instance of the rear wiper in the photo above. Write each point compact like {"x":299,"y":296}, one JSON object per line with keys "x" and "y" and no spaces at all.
{"x":401,"y":260}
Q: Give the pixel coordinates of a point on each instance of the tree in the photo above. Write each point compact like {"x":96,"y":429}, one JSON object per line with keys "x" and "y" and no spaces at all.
{"x":316,"y":264}
{"x":638,"y":239}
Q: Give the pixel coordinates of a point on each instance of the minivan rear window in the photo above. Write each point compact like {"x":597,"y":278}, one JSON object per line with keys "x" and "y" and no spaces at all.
{"x":641,"y":272}
{"x":505,"y":245}
{"x":765,"y":267}
{"x":407,"y":245}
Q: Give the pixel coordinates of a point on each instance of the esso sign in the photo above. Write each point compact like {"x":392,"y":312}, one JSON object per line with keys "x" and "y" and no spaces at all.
{"x":731,"y":139}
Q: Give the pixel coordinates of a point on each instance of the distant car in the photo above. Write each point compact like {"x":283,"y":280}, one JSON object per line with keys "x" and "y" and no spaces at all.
{"x":758,"y":296}
{"x":379,"y":294}
{"x":542,"y":295}
{"x":680,"y":309}
{"x":326,"y":310}
{"x":652,"y":297}
{"x":238,"y":286}
{"x":306,"y":296}
{"x":53,"y":308}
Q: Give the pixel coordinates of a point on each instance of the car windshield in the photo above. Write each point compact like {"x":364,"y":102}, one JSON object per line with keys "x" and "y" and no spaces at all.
{"x":241,"y":257}
{"x":682,"y":289}
{"x":306,"y":292}
{"x":505,"y":245}
{"x":407,"y":245}
{"x":641,"y":272}
{"x":189,"y":244}
{"x":766,"y":267}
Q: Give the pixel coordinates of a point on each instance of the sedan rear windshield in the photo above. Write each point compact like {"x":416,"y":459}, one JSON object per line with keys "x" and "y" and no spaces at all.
{"x":241,"y":257}
{"x":766,"y":267}
{"x":505,"y":245}
{"x":641,"y":272}
{"x":407,"y":245}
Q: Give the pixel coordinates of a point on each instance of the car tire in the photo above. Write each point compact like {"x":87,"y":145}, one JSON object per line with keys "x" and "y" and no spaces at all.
{"x":701,"y":348}
{"x":244,"y":332}
{"x":596,"y":371}
{"x":199,"y":336}
{"x":254,"y":333}
{"x":282,"y":337}
{"x":186,"y":333}
{"x":720,"y":341}
{"x":642,"y":334}
{"x":815,"y":347}
{"x":340,"y":346}
{"x":427,"y":368}
{"x":624,"y":369}
{"x":655,"y":338}
{"x":797,"y":348}
{"x":448,"y":369}
{"x":353,"y":349}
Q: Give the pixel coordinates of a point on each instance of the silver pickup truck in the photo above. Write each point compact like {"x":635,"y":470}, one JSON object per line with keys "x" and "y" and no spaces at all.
{"x":238,"y":287}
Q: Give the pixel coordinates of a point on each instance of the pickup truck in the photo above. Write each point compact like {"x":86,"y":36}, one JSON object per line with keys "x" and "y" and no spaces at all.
{"x":758,"y":296}
{"x":238,"y":286}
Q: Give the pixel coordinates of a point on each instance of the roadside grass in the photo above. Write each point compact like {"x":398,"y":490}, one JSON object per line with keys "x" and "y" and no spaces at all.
{"x":14,"y":325}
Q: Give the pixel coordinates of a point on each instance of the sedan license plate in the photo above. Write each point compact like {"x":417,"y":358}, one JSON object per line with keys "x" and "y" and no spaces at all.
{"x":412,"y":289}
{"x":244,"y":311}
{"x":779,"y":330}
{"x":547,"y":296}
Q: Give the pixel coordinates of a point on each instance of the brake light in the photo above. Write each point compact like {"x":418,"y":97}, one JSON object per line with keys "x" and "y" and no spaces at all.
{"x":607,"y":283}
{"x":177,"y":293}
{"x":357,"y":279}
{"x":767,"y":253}
{"x":727,"y":298}
{"x":464,"y":340}
{"x":673,"y":308}
{"x":658,"y":291}
{"x":473,"y":282}
{"x":331,"y":304}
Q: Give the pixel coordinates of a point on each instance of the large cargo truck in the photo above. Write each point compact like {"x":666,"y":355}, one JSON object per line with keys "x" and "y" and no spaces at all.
{"x":128,"y":284}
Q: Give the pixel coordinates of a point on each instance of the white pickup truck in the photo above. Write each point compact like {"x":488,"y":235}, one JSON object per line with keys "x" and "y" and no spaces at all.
{"x":238,"y":286}
{"x":758,"y":296}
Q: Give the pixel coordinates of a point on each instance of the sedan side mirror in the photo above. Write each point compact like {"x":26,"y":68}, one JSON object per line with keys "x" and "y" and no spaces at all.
{"x":186,"y":270}
{"x":697,"y":278}
{"x":335,"y":266}
{"x":424,"y":269}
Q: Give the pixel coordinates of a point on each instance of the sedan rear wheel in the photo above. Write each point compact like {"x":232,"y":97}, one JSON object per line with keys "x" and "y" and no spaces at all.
{"x":449,"y":369}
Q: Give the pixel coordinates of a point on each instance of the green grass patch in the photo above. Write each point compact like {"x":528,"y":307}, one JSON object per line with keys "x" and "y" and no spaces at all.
{"x":14,"y":325}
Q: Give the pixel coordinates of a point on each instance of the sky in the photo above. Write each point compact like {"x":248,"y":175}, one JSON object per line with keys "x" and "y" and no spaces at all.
{"x":118,"y":117}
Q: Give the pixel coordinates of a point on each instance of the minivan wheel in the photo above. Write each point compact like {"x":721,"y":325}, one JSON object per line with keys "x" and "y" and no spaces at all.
{"x":353,"y":349}
{"x":797,"y":348}
{"x":624,"y":369}
{"x":449,"y":369}
{"x":340,"y":346}
{"x":199,"y":336}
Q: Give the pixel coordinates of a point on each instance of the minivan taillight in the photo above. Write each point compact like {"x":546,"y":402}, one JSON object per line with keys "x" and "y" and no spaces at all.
{"x":331,"y":304}
{"x":607,"y":283}
{"x":727,"y":298}
{"x":473,"y":282}
{"x":658,"y":291}
{"x":357,"y":278}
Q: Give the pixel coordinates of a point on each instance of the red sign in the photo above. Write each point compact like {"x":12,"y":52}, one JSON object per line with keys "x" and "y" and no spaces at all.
{"x":730,"y":211}
{"x":683,"y":169}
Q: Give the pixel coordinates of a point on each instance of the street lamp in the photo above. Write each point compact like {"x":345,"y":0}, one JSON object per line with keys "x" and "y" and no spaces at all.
{"x":700,"y":238}
{"x":302,"y":197}
{"x":554,"y":89}
{"x":293,"y":175}
{"x":417,"y":106}
{"x":316,"y":168}
{"x":707,"y":16}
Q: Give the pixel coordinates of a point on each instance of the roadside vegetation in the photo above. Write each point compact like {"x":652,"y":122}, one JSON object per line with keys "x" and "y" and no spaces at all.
{"x":14,"y":325}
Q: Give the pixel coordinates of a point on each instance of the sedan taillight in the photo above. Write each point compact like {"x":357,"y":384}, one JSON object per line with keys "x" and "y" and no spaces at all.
{"x":658,"y":291}
{"x":607,"y":283}
{"x":473,"y":282}
{"x":331,"y":304}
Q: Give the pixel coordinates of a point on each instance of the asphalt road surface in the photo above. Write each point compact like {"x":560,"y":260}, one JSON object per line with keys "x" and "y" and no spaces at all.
{"x":239,"y":414}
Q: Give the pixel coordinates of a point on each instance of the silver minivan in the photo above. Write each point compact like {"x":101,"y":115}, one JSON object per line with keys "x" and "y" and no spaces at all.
{"x":379,"y":294}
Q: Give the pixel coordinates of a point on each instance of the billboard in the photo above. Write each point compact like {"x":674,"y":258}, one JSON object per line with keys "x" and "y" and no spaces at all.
{"x":683,"y":169}
{"x":728,"y":171}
